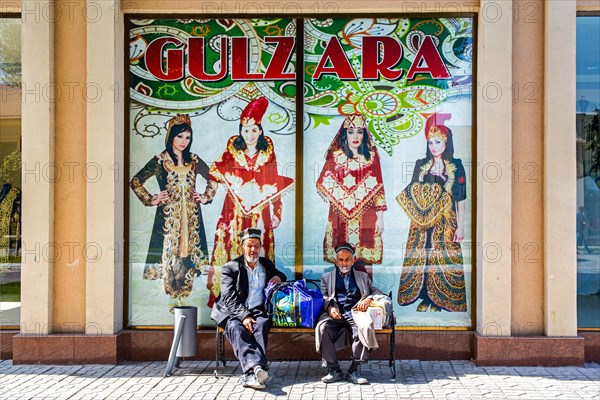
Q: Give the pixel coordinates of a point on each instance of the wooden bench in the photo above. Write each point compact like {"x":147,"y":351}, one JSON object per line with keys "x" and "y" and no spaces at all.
{"x":391,"y":331}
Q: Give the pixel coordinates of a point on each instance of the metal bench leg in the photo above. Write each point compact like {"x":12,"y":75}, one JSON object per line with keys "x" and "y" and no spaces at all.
{"x":216,"y":372}
{"x":393,"y":349}
{"x":222,"y":348}
{"x":219,"y":350}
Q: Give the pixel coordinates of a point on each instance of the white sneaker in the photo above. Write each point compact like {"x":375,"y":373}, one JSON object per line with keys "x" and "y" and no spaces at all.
{"x":251,"y":382}
{"x":262,"y":376}
{"x":358,"y":379}
{"x":333,"y":376}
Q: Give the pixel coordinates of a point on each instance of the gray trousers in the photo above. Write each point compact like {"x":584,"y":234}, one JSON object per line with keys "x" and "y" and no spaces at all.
{"x":249,"y":348}
{"x":332,"y":331}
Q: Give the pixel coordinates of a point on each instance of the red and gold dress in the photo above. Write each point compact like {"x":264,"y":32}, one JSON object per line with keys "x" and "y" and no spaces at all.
{"x":253,"y":187}
{"x":354,"y":189}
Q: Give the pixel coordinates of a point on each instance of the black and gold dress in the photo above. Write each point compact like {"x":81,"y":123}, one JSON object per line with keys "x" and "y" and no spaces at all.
{"x":178,"y":249}
{"x":10,"y":223}
{"x":433,"y":263}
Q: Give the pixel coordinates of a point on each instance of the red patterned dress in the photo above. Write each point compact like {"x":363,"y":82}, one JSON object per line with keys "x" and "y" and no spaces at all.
{"x":253,"y":188}
{"x":354,"y":189}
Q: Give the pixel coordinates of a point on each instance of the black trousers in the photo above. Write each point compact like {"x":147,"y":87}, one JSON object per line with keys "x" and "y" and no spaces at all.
{"x":332,"y":331}
{"x":249,"y":348}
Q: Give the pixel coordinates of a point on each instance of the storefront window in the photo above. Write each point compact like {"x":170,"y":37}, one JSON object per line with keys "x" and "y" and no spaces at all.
{"x":385,"y":128}
{"x":387,"y":147}
{"x":193,"y":83}
{"x":10,"y":172}
{"x":588,"y":172}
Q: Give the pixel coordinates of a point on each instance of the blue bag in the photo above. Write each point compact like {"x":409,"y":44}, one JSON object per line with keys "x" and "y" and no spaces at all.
{"x":293,"y":305}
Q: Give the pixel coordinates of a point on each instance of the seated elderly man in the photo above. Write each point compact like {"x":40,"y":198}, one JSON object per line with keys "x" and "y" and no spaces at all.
{"x":343,"y":288}
{"x":240,"y":310}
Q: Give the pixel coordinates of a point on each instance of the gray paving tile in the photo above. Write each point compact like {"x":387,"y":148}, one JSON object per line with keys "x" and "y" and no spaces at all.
{"x":297,"y":380}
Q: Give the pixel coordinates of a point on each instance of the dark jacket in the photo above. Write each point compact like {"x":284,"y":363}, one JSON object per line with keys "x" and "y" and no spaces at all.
{"x":234,"y":289}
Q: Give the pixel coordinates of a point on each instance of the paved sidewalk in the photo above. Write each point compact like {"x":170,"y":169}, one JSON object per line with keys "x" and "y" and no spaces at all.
{"x":298,"y":380}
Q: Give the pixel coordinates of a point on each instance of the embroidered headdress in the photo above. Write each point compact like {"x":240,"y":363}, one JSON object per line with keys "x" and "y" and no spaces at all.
{"x":351,"y":121}
{"x":254,"y":111}
{"x":355,"y":121}
{"x":435,"y":126}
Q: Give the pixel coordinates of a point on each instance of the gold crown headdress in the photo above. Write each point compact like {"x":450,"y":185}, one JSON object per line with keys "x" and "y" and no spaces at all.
{"x":435,"y":126}
{"x":177,"y":120}
{"x":355,"y":121}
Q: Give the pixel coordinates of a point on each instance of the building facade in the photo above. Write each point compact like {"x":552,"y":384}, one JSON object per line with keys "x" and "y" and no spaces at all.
{"x":94,"y":248}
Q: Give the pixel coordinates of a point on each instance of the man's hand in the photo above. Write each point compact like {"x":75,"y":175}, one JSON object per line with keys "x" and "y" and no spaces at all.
{"x":248,"y":323}
{"x":363,"y":305}
{"x":334,"y":312}
{"x":275,"y":280}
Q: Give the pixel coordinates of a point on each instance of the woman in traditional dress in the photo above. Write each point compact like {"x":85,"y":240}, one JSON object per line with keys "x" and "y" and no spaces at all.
{"x":248,"y":170}
{"x":435,"y":203}
{"x":10,"y":222}
{"x":352,"y":184}
{"x":178,"y":248}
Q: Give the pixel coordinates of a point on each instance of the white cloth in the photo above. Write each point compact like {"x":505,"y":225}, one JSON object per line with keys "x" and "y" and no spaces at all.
{"x":256,"y":284}
{"x":366,"y":331}
{"x":384,"y":302}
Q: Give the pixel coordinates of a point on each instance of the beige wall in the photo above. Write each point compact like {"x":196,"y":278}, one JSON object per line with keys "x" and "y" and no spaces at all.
{"x":527,"y":169}
{"x":588,"y":5}
{"x":494,"y":155}
{"x":70,"y":150}
{"x":37,"y":223}
{"x":305,"y":7}
{"x":560,"y":260}
{"x":105,"y":149}
{"x":10,"y":6}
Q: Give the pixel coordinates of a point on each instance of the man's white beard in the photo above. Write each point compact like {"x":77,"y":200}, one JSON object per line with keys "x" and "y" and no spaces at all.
{"x":345,"y":270}
{"x":251,"y":260}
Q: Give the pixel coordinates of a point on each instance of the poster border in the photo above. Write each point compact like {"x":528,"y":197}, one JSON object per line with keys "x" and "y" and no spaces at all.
{"x":298,"y":266}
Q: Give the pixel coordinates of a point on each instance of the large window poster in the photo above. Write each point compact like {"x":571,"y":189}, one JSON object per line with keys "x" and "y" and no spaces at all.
{"x":211,"y":152}
{"x":387,"y":150}
{"x":387,"y":155}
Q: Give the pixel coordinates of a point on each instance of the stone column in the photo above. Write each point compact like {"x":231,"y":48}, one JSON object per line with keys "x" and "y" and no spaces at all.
{"x":494,"y":157}
{"x":560,"y":195}
{"x":105,"y":213}
{"x":38,"y":92}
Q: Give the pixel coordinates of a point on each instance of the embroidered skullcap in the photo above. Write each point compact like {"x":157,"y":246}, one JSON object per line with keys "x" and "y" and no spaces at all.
{"x":344,"y":246}
{"x":251,"y":233}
